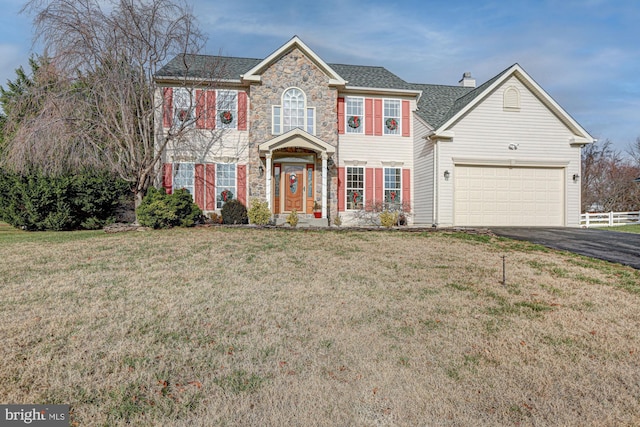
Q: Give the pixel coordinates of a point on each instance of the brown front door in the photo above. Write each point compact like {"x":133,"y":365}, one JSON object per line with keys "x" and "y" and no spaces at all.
{"x":293,"y":188}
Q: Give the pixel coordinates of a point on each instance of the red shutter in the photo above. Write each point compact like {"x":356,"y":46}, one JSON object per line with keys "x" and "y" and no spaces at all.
{"x":242,"y":110}
{"x":201,"y":109}
{"x":167,"y":177}
{"x":210,"y":187}
{"x":406,"y":188}
{"x":167,"y":107}
{"x":341,"y":190}
{"x":368,"y":188}
{"x":377,"y":114}
{"x":340,"y":115}
{"x":379,"y":186}
{"x":210,"y":121}
{"x":242,"y":184}
{"x":406,"y":125}
{"x":368,"y":116}
{"x":199,"y":186}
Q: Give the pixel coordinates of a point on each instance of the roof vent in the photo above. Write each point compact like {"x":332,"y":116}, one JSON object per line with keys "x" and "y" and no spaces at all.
{"x":467,"y":80}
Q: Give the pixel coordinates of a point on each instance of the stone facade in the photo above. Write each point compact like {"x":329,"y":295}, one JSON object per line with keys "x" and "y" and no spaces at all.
{"x":293,"y":69}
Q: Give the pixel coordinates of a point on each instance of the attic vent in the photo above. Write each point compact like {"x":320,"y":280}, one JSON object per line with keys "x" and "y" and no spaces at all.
{"x":511,"y":99}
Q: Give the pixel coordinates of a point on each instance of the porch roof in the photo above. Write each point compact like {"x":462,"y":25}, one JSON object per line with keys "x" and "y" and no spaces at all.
{"x":297,"y":138}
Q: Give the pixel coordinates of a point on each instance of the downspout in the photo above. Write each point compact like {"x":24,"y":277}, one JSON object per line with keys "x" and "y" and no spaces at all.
{"x":436,"y":184}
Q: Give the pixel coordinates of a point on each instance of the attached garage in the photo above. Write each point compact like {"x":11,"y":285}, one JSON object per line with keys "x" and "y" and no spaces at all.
{"x":509,"y":196}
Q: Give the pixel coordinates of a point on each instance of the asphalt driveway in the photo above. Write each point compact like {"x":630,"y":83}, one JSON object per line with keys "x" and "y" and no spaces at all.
{"x":623,"y":248}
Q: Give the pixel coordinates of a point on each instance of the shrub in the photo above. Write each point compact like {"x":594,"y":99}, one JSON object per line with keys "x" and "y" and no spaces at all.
{"x":215,"y":218}
{"x":259,"y":212}
{"x":234,"y":212}
{"x":35,"y":201}
{"x":292,"y":218}
{"x":161,"y":210}
{"x":388,"y":219}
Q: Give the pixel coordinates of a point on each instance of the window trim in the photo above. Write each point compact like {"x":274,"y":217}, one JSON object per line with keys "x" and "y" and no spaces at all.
{"x":189,"y":107}
{"x":385,"y":117}
{"x":398,"y":201}
{"x":278,"y":127}
{"x":347,"y":188}
{"x":234,"y":112}
{"x":174,"y":172}
{"x":218,"y":189}
{"x":348,"y":129}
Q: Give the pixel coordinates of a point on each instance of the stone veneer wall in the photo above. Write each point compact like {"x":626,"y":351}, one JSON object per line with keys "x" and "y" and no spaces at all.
{"x":293,"y":69}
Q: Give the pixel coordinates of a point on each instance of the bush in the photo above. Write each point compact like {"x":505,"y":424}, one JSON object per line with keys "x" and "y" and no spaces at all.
{"x":161,"y":210}
{"x":259,"y":212}
{"x":292,"y":218}
{"x":34,"y":201}
{"x":234,"y":212}
{"x":388,"y":219}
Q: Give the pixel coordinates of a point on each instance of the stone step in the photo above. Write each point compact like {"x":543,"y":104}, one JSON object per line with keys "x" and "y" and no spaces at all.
{"x":304,"y":220}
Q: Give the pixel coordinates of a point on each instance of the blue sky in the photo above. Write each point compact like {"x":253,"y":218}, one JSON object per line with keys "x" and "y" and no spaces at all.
{"x":584,"y":53}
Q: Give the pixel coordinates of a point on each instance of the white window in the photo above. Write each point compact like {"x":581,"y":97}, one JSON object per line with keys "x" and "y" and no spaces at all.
{"x":183,"y":176}
{"x":293,"y":113}
{"x":183,"y":107}
{"x":392,"y":115}
{"x":225,"y":183}
{"x":277,"y":120}
{"x":354,"y":115}
{"x":355,"y":187}
{"x":392,"y":187}
{"x":226,"y":109}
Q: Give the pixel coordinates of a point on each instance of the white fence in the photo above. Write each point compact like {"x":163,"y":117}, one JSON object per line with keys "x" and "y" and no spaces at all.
{"x":609,"y":219}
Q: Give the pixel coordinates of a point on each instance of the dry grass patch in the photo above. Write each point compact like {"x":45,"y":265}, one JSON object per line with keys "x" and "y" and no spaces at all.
{"x":270,"y":327}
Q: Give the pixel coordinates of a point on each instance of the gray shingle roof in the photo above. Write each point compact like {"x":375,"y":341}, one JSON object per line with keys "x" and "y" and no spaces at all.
{"x":436,"y":101}
{"x":370,"y":77}
{"x":437,"y":104}
{"x":207,"y":66}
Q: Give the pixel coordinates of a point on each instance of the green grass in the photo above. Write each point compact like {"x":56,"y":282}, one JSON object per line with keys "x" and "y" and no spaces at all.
{"x":634,"y":228}
{"x":237,"y":326}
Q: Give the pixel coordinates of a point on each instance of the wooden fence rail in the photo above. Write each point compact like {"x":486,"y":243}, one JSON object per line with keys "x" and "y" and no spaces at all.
{"x":609,"y":219}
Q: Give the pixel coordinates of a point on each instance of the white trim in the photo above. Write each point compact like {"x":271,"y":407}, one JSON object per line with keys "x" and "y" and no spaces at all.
{"x":519,"y":73}
{"x":253,"y":75}
{"x":510,"y":162}
{"x":296,"y":138}
{"x":386,"y":91}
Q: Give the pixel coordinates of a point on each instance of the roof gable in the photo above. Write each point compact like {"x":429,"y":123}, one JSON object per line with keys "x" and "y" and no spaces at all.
{"x":470,"y":100}
{"x":254,"y":74}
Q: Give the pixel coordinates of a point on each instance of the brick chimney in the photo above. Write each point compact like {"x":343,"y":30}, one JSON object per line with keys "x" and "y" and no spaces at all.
{"x":467,"y":80}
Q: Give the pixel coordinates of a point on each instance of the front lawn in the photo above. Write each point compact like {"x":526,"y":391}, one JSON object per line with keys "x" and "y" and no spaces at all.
{"x":272,"y":327}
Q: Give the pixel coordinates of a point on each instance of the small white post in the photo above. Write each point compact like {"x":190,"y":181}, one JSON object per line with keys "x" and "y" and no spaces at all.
{"x":268,"y":184}
{"x":610,"y":218}
{"x":587,"y":217}
{"x":324,"y":185}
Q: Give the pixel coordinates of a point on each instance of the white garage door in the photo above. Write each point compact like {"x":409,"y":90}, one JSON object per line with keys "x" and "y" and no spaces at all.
{"x":508,"y":196}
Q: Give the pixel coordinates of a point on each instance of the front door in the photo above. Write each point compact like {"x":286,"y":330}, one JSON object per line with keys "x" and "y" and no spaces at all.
{"x":293,"y":188}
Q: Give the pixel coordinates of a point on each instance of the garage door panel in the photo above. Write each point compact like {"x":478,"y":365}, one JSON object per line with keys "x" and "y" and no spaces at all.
{"x":510,"y":196}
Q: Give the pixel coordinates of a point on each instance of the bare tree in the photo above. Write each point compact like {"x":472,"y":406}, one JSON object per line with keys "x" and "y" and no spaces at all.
{"x":608,"y":180}
{"x":105,"y":54}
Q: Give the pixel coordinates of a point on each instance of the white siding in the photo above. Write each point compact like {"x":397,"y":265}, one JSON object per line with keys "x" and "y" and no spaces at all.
{"x":423,"y":184}
{"x":486,"y":132}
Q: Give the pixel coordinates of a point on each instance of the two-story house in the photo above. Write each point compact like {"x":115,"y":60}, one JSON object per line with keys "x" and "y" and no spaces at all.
{"x":292,"y":129}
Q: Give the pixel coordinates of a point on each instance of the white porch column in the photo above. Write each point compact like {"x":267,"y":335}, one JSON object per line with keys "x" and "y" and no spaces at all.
{"x":268,"y":184}
{"x":324,"y":185}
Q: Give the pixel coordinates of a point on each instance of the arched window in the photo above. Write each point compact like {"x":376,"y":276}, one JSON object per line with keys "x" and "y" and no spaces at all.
{"x":293,"y":109}
{"x":293,"y":113}
{"x":511,"y":98}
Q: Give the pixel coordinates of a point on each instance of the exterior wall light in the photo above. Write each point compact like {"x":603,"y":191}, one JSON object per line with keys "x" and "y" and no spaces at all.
{"x":447,"y":174}
{"x":260,"y":171}
{"x":576,"y":177}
